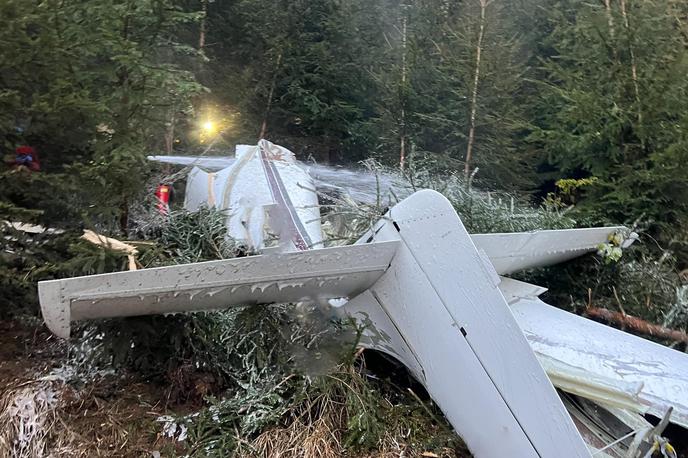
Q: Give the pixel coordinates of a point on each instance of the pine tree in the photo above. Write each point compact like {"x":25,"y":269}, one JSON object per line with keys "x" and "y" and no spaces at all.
{"x":467,"y":85}
{"x":294,"y":72}
{"x":94,"y":83}
{"x":612,"y":108}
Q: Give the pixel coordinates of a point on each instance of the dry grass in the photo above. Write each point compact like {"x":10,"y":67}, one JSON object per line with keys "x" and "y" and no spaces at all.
{"x":345,"y":418}
{"x":322,"y":438}
{"x":52,"y":419}
{"x":27,"y":415}
{"x":101,"y":417}
{"x":319,"y":439}
{"x":305,"y":437}
{"x":341,"y":414}
{"x":104,"y":421}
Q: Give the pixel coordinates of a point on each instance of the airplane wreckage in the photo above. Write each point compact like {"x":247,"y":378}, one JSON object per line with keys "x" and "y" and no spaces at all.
{"x":514,"y":376}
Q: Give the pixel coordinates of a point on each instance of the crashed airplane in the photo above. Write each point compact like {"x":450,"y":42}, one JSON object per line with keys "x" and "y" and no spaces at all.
{"x":514,"y":376}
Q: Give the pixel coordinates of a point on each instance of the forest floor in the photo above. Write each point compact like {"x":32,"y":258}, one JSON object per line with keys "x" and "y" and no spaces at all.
{"x":45,"y":410}
{"x":109,"y":415}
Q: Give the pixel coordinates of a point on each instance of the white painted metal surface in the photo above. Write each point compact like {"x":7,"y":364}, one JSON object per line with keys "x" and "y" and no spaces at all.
{"x":605,"y":364}
{"x":262,"y":187}
{"x":283,"y":277}
{"x":442,"y":297}
{"x":210,"y":163}
{"x":512,"y":252}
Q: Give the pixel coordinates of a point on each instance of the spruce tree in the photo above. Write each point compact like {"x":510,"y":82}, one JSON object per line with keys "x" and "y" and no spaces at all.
{"x":612,"y":107}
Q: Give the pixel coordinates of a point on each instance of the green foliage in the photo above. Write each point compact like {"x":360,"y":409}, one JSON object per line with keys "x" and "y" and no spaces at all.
{"x":570,"y":188}
{"x":444,"y":50}
{"x":612,"y":250}
{"x":349,"y":79}
{"x":609,"y":109}
{"x":27,"y":258}
{"x":485,"y":212}
{"x":568,"y":88}
{"x":199,"y":236}
{"x":347,"y":410}
{"x":302,"y":60}
{"x":643,"y":282}
{"x":649,"y":285}
{"x":586,"y":92}
{"x":93,"y":85}
{"x":560,"y":92}
{"x":38,"y":198}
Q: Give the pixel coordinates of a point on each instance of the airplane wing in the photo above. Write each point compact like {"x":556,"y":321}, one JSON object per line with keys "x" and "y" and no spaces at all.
{"x":456,"y":333}
{"x":210,"y":163}
{"x":614,"y":368}
{"x":361,"y":185}
{"x":604,"y":364}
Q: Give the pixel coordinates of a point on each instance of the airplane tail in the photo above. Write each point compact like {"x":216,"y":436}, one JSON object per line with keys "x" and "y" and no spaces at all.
{"x":418,"y":283}
{"x":432,"y":296}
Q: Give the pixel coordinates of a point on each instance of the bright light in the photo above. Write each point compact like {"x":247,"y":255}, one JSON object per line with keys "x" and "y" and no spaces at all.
{"x":211,"y":123}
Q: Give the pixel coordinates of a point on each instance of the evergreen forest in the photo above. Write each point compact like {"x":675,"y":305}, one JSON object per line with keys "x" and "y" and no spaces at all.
{"x":527,"y":114}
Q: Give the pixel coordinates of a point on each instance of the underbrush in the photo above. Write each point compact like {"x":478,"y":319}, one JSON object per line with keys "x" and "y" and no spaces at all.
{"x":346,"y":412}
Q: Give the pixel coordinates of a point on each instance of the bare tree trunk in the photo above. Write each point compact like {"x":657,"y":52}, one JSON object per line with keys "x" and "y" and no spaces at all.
{"x":636,"y":324}
{"x":634,"y":66}
{"x":612,"y":31}
{"x":474,"y":91}
{"x":169,"y":133}
{"x":402,"y":121}
{"x":610,"y":19}
{"x":201,"y":35}
{"x":264,"y":125}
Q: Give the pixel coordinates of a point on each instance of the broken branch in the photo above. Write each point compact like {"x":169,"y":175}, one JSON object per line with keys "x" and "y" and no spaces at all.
{"x":636,"y":324}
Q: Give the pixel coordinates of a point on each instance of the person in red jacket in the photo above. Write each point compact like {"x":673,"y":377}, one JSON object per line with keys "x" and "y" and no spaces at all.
{"x":163,"y":196}
{"x":27,"y":156}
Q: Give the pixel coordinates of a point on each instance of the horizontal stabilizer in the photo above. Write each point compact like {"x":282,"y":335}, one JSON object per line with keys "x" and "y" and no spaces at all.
{"x":282,"y":277}
{"x":511,"y":252}
{"x":448,"y":322}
